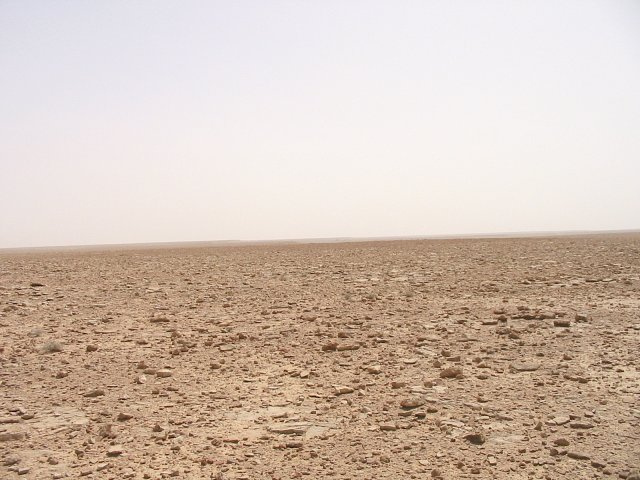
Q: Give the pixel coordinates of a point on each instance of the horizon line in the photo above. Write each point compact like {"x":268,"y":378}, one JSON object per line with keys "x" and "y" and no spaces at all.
{"x":315,"y":240}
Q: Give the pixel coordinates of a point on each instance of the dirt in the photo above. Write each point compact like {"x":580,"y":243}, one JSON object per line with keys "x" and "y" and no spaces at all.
{"x":476,"y":358}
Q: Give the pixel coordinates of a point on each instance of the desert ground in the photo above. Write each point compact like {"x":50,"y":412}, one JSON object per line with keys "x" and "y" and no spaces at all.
{"x":512,"y":358}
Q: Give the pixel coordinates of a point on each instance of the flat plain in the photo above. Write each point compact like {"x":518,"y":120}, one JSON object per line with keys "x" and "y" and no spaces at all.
{"x":511,"y":358}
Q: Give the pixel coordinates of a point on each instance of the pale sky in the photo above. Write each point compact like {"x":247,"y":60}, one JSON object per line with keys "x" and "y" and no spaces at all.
{"x":152,"y":121}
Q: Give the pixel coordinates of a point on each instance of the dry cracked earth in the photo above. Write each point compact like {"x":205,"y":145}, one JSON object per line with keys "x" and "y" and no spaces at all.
{"x":469,"y":358}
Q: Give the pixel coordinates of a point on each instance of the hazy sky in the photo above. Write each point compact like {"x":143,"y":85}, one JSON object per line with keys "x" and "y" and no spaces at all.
{"x":140,"y":121}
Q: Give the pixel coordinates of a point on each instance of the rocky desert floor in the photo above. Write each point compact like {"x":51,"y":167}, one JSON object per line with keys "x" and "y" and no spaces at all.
{"x":467,"y":358}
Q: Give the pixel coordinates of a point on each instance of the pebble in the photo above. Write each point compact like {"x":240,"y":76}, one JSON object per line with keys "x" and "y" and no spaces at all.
{"x":9,"y":420}
{"x":10,"y":460}
{"x":12,"y":436}
{"x":581,"y":425}
{"x":330,"y":347}
{"x":412,"y":402}
{"x":577,"y":455}
{"x":115,"y":450}
{"x":291,"y":429}
{"x":475,"y":438}
{"x":164,"y":373}
{"x":451,"y":372}
{"x":98,"y":392}
{"x":388,"y":427}
{"x":633,"y":475}
{"x":342,"y":390}
{"x":525,"y":366}
{"x":561,"y":322}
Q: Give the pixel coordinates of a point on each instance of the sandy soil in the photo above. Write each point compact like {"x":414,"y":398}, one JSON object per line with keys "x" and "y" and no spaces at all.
{"x":487,"y":358}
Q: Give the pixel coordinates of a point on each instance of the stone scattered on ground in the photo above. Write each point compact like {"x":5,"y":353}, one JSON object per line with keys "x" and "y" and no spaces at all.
{"x":478,"y":358}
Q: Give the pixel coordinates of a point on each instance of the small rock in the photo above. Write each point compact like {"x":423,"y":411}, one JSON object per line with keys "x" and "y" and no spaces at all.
{"x":342,"y":390}
{"x":475,"y":438}
{"x":91,"y":348}
{"x":388,"y":427}
{"x":12,"y":436}
{"x":115,"y":450}
{"x":582,"y":317}
{"x":561,"y":322}
{"x":123,"y":416}
{"x":330,"y":347}
{"x":412,"y":402}
{"x":98,"y":392}
{"x":289,"y":429}
{"x":10,"y":460}
{"x":164,"y":373}
{"x":9,"y":420}
{"x":633,"y":475}
{"x":577,"y":455}
{"x":525,"y":366}
{"x":451,"y":372}
{"x":581,"y":425}
{"x":561,"y":442}
{"x":159,"y":319}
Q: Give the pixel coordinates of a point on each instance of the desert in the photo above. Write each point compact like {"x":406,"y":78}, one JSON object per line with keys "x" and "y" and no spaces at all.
{"x":483,"y":358}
